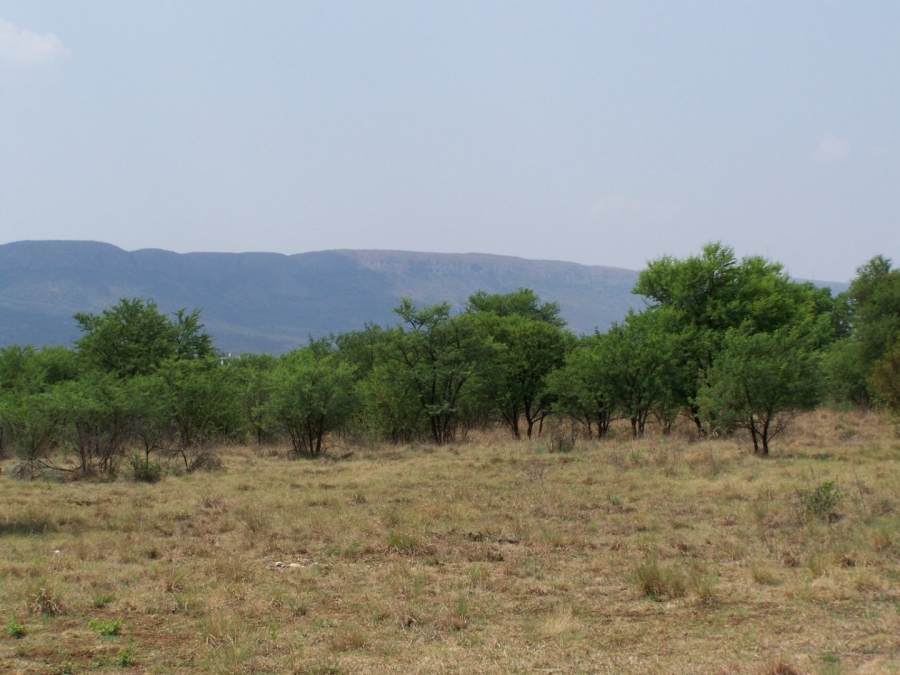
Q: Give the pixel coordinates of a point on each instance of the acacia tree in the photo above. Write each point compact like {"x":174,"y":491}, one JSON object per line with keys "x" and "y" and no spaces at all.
{"x":871,"y":316}
{"x":710,"y":294}
{"x":429,"y":369}
{"x":634,"y":358}
{"x":522,"y":302}
{"x":254,"y":373}
{"x":95,"y":421}
{"x":885,"y":379}
{"x":581,"y":387}
{"x":761,"y":381}
{"x":28,"y":415}
{"x":532,"y":343}
{"x":312,"y":394}
{"x":197,"y":405}
{"x":134,"y":338}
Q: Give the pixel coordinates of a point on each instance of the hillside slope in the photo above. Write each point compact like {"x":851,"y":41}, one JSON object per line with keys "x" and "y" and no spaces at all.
{"x":272,"y":302}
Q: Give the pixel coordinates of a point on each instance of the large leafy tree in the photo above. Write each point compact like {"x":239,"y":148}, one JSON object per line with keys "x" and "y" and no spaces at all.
{"x":134,"y":338}
{"x":760,"y":381}
{"x":637,"y":360}
{"x":710,"y":294}
{"x":582,"y":389}
{"x":532,"y":343}
{"x":312,"y":394}
{"x":430,"y":368}
{"x":870,"y":314}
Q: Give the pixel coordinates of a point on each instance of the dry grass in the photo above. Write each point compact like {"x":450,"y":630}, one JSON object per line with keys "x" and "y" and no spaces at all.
{"x":491,"y":556}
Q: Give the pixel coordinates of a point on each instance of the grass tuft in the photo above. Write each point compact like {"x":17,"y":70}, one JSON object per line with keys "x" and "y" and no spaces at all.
{"x":657,"y":581}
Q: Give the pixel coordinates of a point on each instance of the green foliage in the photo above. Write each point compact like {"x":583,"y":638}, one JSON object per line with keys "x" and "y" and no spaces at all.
{"x":735,"y":338}
{"x":253,"y":373}
{"x":870,"y":313}
{"x":581,"y":388}
{"x":715,"y":291}
{"x":312,"y":394}
{"x":822,"y":501}
{"x":106,"y":627}
{"x":142,"y":470}
{"x":94,"y":421}
{"x":197,"y":403}
{"x":875,"y":305}
{"x":523,"y":302}
{"x":15,"y":629}
{"x":846,"y":371}
{"x":429,"y":372}
{"x":28,"y":376}
{"x":531,"y":344}
{"x":127,"y":656}
{"x":639,"y":361}
{"x":761,"y":380}
{"x":135,"y":338}
{"x":884,"y":380}
{"x":710,"y":294}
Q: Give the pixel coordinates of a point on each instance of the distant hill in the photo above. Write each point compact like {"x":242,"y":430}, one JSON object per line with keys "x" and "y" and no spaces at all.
{"x":272,"y":302}
{"x":268,"y":302}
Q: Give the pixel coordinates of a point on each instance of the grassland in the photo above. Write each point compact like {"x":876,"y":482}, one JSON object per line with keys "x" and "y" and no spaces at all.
{"x":668,"y":555}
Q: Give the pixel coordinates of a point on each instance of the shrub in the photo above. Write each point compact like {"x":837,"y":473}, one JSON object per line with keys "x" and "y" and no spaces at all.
{"x":14,"y":629}
{"x":127,"y":656}
{"x":822,"y":501}
{"x":106,"y":627}
{"x":143,"y":470}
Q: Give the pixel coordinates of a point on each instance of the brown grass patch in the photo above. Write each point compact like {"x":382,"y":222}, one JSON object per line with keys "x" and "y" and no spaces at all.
{"x":663,"y":555}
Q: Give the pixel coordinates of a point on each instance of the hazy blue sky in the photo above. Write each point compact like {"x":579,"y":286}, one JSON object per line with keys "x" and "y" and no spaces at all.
{"x":603,"y":133}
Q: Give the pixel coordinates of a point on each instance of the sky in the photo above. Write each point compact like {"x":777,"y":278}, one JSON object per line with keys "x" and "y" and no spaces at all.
{"x":603,"y":133}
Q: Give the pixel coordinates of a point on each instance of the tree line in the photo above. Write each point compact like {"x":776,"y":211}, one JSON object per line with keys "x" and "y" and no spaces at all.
{"x":731,"y":344}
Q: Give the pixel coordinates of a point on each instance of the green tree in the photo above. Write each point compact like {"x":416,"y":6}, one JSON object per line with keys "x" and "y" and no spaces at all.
{"x":532,"y":343}
{"x":428,"y":370}
{"x":28,"y":375}
{"x":197,"y":406}
{"x":582,"y":388}
{"x":885,"y":380}
{"x":715,"y":292}
{"x":95,"y":421}
{"x":523,"y":302}
{"x":312,"y":395}
{"x":254,"y":373}
{"x":635,"y":358}
{"x":870,"y":314}
{"x":762,"y":380}
{"x":134,"y":338}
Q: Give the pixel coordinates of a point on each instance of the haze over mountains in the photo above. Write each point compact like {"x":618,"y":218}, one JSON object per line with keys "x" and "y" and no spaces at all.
{"x":269,"y":302}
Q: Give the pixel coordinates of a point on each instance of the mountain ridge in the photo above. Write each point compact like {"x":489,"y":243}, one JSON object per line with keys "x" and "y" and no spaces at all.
{"x":260,"y":301}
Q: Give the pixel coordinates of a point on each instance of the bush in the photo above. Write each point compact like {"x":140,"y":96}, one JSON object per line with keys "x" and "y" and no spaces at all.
{"x":822,"y":501}
{"x":106,"y":627}
{"x":143,"y":470}
{"x":14,"y":629}
{"x":127,"y":657}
